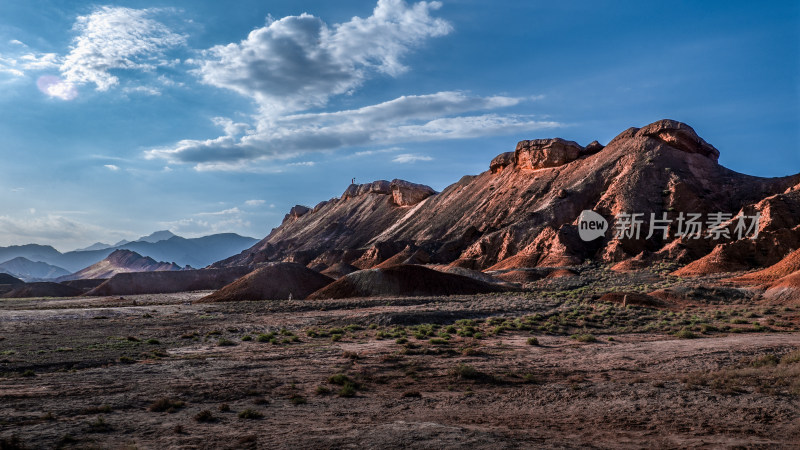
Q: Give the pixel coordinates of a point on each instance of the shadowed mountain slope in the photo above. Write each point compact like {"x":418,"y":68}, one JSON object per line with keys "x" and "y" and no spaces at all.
{"x":406,"y":280}
{"x":274,"y":281}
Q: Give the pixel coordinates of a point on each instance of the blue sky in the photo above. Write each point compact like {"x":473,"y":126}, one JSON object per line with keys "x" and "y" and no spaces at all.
{"x":117,"y":119}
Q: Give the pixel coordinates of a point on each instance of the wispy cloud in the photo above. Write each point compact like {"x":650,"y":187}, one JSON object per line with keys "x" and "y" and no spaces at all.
{"x":444,"y":115}
{"x":254,"y":202}
{"x":406,"y":158}
{"x":374,"y":152}
{"x":51,"y":228}
{"x":117,"y":38}
{"x":111,"y":167}
{"x":109,"y":39}
{"x":204,"y":223}
{"x":20,"y":62}
{"x":225,"y":212}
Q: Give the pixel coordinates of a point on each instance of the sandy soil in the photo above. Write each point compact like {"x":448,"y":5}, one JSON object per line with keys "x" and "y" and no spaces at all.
{"x":91,"y":372}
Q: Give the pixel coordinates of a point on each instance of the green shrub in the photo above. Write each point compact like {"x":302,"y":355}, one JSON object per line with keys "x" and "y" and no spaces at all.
{"x":265,"y":337}
{"x":339,"y":379}
{"x":322,"y":390}
{"x":791,"y":358}
{"x":465,"y":371}
{"x":533,"y":341}
{"x":204,"y":416}
{"x":166,"y":404}
{"x":685,"y":333}
{"x":250,"y":414}
{"x":297,"y":399}
{"x":584,"y":337}
{"x":348,"y":390}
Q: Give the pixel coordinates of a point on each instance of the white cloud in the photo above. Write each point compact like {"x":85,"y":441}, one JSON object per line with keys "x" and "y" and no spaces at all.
{"x":51,"y":228}
{"x":406,"y":158}
{"x":374,"y":152}
{"x":109,"y":39}
{"x":117,"y":38}
{"x":18,"y":64}
{"x":230,"y":220}
{"x":144,"y":90}
{"x":254,"y":202}
{"x":298,"y":61}
{"x":226,"y":212}
{"x":302,"y":164}
{"x":444,"y":115}
{"x":111,"y":167}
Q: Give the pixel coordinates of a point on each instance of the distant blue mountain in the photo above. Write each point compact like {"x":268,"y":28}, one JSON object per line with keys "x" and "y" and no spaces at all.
{"x":195,"y":252}
{"x":27,"y":270}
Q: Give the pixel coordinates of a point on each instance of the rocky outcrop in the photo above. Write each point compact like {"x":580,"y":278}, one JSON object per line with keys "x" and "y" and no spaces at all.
{"x":544,"y":153}
{"x":296,"y":212}
{"x":405,"y":193}
{"x":376,"y":187}
{"x":680,"y":136}
{"x":501,"y":161}
{"x":592,"y":148}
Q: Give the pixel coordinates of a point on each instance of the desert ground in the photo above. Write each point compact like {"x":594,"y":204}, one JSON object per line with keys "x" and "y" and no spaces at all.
{"x":550,"y":367}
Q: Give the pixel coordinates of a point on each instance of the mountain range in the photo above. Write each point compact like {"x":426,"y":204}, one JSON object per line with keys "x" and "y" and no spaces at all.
{"x":525,"y":211}
{"x":161,"y":246}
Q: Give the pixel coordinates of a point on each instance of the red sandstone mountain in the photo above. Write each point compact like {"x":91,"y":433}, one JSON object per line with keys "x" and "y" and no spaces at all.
{"x":524,"y":211}
{"x":786,"y":266}
{"x":785,"y":291}
{"x":121,"y":261}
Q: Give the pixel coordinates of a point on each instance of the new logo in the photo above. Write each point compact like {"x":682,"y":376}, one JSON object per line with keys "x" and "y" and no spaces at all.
{"x":591,"y":225}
